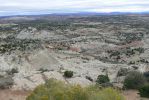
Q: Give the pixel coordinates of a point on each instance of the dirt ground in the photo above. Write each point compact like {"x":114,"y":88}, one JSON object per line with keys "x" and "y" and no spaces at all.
{"x":132,"y":95}
{"x":13,"y":95}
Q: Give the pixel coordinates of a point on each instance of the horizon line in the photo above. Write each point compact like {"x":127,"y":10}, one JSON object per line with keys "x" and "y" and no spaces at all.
{"x":73,"y":13}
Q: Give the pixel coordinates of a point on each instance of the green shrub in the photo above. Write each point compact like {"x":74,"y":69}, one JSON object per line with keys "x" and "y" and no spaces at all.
{"x":102,"y":79}
{"x":134,"y":80}
{"x":68,"y":74}
{"x":144,"y":91}
{"x":56,"y":90}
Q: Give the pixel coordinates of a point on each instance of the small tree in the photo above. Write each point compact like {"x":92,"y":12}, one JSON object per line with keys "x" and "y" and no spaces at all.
{"x":134,"y":80}
{"x":102,"y":79}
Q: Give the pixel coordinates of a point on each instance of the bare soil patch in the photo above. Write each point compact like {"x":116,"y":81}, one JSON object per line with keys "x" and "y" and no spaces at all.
{"x":13,"y":95}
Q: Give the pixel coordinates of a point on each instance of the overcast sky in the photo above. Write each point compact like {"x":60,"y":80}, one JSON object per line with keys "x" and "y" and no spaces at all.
{"x":17,"y":7}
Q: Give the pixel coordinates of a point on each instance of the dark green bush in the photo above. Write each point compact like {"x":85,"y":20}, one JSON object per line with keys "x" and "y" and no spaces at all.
{"x":144,"y":91}
{"x":134,"y":80}
{"x":68,"y":74}
{"x":102,"y":79}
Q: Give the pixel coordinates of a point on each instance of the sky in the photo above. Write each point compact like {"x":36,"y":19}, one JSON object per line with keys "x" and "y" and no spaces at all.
{"x":33,"y":7}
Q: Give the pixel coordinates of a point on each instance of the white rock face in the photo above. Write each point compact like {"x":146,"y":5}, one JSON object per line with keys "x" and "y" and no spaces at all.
{"x":79,"y":81}
{"x":28,"y":76}
{"x":3,"y":64}
{"x":43,"y":59}
{"x":54,"y":74}
{"x":27,"y":83}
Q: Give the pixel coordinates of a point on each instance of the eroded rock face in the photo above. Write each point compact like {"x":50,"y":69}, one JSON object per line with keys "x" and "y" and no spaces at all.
{"x":54,"y":64}
{"x":28,"y":76}
{"x":27,"y":82}
{"x":32,"y":81}
{"x":43,"y":59}
{"x":53,"y":74}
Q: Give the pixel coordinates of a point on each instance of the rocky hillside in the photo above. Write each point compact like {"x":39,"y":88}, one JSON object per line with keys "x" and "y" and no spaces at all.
{"x":33,"y":50}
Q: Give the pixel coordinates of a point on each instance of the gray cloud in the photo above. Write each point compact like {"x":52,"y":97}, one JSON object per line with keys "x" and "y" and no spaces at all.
{"x":47,"y":6}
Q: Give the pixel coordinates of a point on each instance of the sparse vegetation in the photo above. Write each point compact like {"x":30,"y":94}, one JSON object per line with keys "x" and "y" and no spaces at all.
{"x":10,"y":44}
{"x":129,"y":37}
